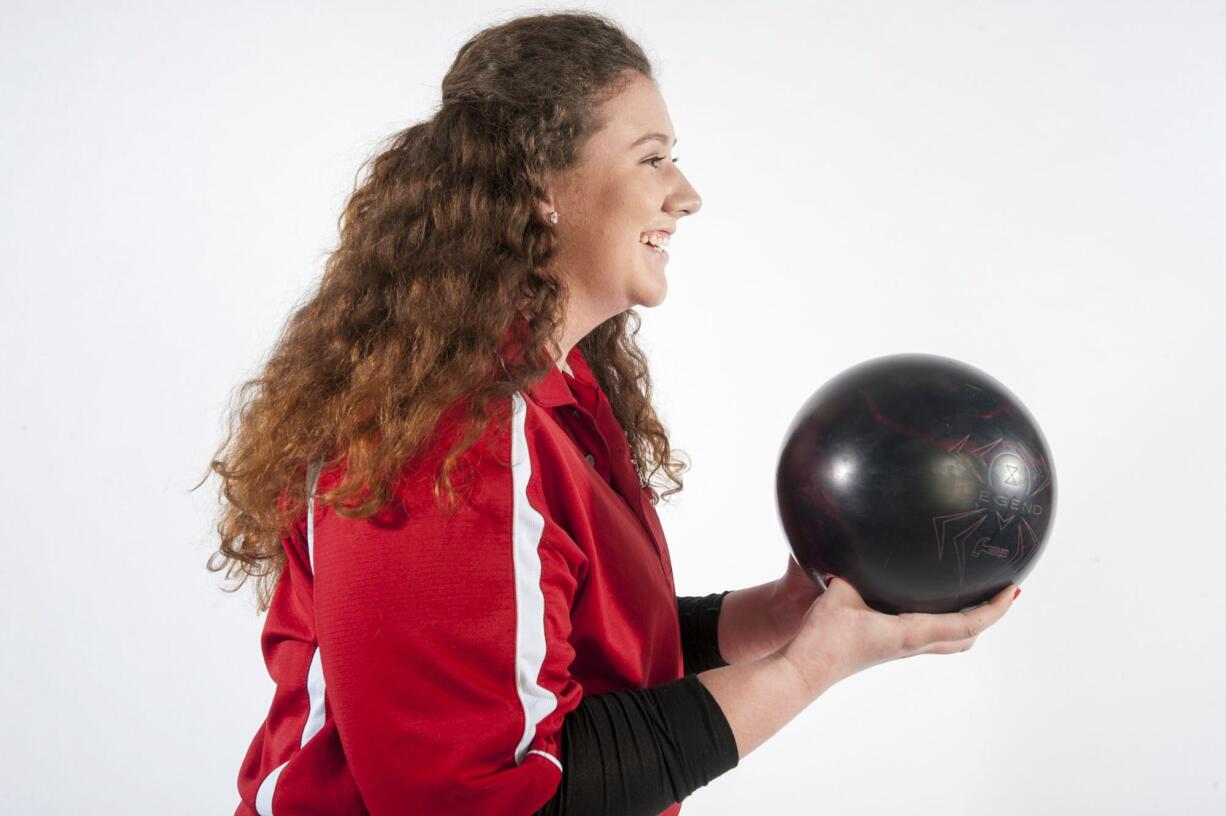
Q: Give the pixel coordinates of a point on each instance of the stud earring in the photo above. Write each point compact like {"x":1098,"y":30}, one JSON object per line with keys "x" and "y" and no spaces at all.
{"x":553,"y":217}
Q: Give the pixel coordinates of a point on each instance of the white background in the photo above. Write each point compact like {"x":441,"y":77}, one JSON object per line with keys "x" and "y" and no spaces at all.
{"x":1034,"y":188}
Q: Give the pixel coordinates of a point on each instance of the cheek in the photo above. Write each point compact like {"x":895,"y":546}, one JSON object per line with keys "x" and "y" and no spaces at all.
{"x":607,"y":219}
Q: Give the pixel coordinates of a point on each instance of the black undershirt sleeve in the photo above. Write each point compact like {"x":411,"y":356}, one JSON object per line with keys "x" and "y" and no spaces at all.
{"x":699,"y":616}
{"x":635,"y":752}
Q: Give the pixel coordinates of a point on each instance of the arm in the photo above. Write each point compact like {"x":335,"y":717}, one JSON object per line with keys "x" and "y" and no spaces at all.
{"x":838,"y":636}
{"x":761,"y":696}
{"x":762,"y":690}
{"x":445,"y":647}
{"x":635,"y":752}
{"x":698,"y":619}
{"x":746,"y":624}
{"x":758,"y":689}
{"x":757,"y":620}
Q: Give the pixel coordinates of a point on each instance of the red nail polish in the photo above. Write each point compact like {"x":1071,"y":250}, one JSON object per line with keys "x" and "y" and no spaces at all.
{"x":1017,"y":592}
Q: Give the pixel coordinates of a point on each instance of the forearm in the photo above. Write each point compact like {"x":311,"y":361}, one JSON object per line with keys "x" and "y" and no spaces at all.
{"x":759,"y":697}
{"x":757,"y":620}
{"x":638,"y":751}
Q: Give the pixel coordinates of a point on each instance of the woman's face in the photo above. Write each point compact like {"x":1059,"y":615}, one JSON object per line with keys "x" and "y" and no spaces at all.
{"x":624,"y":185}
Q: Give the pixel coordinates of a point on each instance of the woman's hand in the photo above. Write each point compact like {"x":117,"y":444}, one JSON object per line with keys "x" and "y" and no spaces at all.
{"x":841,"y":635}
{"x":796,"y":586}
{"x":759,"y":620}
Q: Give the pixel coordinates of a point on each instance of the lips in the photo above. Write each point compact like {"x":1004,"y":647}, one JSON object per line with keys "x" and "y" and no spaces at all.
{"x":662,"y":253}
{"x":655,"y":239}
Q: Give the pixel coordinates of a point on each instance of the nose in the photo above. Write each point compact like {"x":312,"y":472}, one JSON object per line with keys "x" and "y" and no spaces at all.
{"x":684,"y":200}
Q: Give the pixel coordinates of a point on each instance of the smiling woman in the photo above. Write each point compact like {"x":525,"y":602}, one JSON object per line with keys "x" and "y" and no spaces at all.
{"x":477,"y":321}
{"x":508,"y":642}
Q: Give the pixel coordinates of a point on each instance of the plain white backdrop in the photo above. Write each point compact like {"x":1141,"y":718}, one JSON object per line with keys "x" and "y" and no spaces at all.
{"x":1035,"y":188}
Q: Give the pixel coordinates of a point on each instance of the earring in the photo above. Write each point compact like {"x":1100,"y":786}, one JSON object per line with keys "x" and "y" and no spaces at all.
{"x":553,"y":217}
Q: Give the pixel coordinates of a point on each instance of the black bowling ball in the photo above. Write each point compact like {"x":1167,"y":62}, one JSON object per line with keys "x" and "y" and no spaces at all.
{"x":920,"y":480}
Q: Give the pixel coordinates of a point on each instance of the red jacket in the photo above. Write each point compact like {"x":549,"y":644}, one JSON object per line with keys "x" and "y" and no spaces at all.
{"x":424,"y":664}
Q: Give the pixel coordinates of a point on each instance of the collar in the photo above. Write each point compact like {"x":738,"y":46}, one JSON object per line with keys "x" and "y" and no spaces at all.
{"x":555,"y":388}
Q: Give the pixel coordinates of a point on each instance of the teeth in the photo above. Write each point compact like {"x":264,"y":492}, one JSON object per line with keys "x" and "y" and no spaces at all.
{"x":659,"y":239}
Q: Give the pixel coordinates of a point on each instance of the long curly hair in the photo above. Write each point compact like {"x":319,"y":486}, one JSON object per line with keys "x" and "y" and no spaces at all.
{"x":442,"y":256}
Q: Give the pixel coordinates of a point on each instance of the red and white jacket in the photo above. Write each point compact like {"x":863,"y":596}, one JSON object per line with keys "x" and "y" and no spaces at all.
{"x":424,"y":663}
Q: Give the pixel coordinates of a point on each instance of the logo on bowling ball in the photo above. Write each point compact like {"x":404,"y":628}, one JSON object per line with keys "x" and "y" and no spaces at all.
{"x":998,"y":525}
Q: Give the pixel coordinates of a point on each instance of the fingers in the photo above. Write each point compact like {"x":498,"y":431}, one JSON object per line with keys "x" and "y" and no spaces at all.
{"x":921,"y":630}
{"x":847,"y":594}
{"x":950,"y":648}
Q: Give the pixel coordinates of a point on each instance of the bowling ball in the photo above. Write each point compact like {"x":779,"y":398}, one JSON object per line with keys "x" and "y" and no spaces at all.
{"x":920,"y":480}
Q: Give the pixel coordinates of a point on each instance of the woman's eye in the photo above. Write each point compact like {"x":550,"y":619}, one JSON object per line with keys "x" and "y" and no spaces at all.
{"x":659,"y":159}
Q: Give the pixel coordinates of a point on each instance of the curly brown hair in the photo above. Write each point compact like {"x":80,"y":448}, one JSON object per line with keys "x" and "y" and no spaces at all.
{"x":442,"y":253}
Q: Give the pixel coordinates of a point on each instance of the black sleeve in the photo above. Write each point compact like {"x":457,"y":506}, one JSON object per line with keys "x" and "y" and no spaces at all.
{"x":635,"y":752}
{"x":699,"y":618}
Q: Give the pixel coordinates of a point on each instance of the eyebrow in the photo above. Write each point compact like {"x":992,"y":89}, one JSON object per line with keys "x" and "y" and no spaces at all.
{"x":659,"y":137}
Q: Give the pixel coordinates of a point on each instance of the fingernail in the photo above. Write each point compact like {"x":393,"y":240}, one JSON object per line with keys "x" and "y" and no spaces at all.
{"x":1017,"y":592}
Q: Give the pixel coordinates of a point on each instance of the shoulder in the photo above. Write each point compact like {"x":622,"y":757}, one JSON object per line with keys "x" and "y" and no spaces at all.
{"x":518,"y":439}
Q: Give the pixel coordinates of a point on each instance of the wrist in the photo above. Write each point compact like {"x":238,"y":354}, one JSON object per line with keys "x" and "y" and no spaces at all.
{"x":806,"y":677}
{"x":749,"y":625}
{"x":789,"y":604}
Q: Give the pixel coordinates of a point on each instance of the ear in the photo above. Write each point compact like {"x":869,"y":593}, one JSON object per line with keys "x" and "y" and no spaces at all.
{"x":543,"y":209}
{"x":554,"y":184}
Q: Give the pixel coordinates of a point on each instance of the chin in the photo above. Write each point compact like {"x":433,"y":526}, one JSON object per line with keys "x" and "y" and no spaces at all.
{"x":653,"y":297}
{"x":653,"y":292}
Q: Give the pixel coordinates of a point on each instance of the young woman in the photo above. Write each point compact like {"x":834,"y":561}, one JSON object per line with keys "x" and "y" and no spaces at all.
{"x":442,"y":481}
